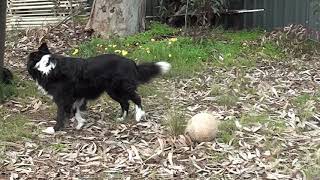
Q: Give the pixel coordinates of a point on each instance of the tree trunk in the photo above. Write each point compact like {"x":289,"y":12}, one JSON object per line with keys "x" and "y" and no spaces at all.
{"x":110,"y":18}
{"x":3,"y":11}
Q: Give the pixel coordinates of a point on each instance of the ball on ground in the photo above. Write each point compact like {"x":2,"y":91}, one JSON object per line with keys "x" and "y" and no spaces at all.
{"x":202,"y":127}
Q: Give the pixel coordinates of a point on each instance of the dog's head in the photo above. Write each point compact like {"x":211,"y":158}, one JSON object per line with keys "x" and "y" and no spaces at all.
{"x":40,"y":61}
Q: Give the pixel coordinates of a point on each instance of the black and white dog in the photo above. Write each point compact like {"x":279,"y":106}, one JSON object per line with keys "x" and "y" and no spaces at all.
{"x":72,"y":81}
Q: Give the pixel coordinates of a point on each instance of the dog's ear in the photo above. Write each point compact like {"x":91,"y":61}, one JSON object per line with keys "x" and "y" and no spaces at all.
{"x":44,"y":48}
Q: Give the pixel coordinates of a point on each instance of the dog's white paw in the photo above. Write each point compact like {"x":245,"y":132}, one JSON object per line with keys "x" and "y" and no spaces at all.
{"x":79,"y":125}
{"x":139,"y":113}
{"x":120,"y":119}
{"x":49,"y":130}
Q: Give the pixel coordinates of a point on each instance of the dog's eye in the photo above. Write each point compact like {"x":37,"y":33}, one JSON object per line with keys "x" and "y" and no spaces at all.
{"x":47,"y":63}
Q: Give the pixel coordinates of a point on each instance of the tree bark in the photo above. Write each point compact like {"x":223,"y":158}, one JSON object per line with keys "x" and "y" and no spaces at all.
{"x":3,"y":11}
{"x":110,"y":18}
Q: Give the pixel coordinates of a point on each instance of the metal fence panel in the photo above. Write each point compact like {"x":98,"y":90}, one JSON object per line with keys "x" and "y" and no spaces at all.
{"x":314,"y":19}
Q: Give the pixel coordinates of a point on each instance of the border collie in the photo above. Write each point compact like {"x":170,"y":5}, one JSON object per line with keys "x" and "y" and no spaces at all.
{"x":72,"y":81}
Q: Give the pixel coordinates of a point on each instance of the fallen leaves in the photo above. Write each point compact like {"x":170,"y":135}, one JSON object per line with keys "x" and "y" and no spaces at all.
{"x":129,"y":150}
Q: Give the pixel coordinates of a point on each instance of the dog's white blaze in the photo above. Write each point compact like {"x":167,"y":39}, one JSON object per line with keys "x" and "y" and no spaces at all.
{"x":164,"y":67}
{"x":78,"y":116}
{"x":49,"y":130}
{"x":139,"y":113}
{"x":44,"y":65}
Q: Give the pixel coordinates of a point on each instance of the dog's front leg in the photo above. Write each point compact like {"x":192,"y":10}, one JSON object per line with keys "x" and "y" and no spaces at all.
{"x":59,"y":121}
{"x":60,"y":118}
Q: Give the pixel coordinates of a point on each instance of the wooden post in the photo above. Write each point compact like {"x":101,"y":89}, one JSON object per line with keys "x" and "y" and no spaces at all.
{"x":3,"y":11}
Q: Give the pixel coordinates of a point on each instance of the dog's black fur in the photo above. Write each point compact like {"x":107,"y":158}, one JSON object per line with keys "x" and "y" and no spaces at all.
{"x":74,"y":78}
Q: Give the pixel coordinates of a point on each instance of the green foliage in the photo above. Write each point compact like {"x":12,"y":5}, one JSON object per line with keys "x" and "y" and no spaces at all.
{"x":6,"y":91}
{"x":187,"y":55}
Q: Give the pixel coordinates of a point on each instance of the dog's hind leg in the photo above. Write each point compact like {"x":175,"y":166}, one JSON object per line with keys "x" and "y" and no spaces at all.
{"x":137,"y":100}
{"x":77,"y":106}
{"x":124,"y":109}
{"x":124,"y":103}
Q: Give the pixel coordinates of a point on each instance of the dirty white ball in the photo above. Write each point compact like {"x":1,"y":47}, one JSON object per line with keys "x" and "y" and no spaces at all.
{"x":202,"y":127}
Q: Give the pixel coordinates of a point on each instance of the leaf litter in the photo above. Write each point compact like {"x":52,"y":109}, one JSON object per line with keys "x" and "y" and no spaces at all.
{"x":105,"y":148}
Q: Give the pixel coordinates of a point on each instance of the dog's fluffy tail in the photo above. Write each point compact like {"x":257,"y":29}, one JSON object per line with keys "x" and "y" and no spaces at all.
{"x":147,"y":71}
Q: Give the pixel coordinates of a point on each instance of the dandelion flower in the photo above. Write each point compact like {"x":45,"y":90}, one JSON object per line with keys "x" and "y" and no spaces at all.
{"x":124,"y":52}
{"x":173,"y":39}
{"x":170,"y":55}
{"x":153,"y":40}
{"x":75,"y":52}
{"x":114,"y":46}
{"x":117,"y":51}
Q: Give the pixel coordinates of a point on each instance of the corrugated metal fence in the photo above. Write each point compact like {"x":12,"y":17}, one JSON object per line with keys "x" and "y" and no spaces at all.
{"x":278,"y":13}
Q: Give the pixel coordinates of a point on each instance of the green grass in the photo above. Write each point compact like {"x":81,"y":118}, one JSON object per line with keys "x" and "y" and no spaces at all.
{"x":58,"y":147}
{"x":227,"y":100}
{"x":305,"y":105}
{"x":176,"y":123}
{"x":14,"y":127}
{"x":226,"y":131}
{"x":186,"y":54}
{"x":6,"y":91}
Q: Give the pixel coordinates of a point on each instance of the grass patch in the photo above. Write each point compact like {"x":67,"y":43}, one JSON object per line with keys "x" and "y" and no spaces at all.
{"x":216,"y":90}
{"x":176,"y":123}
{"x":227,"y":100}
{"x":312,"y":173}
{"x":6,"y":91}
{"x":226,"y":131}
{"x":185,"y":53}
{"x":305,"y":105}
{"x":251,"y":119}
{"x":58,"y":147}
{"x":14,"y":127}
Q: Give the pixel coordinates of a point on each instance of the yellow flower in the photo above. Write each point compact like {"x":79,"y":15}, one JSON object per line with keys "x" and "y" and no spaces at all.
{"x":124,"y":52}
{"x":98,"y":45}
{"x":75,"y":52}
{"x":170,"y":55}
{"x":114,"y":46}
{"x":153,"y":40}
{"x":148,"y":51}
{"x":106,"y":49}
{"x":173,"y":39}
{"x":169,"y":42}
{"x":117,"y":51}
